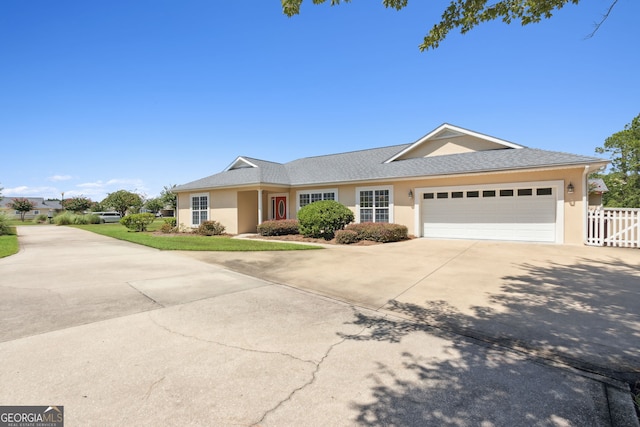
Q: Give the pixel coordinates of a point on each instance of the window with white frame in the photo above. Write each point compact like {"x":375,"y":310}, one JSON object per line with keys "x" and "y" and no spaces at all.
{"x":199,"y":208}
{"x":309,"y":196}
{"x":375,"y":204}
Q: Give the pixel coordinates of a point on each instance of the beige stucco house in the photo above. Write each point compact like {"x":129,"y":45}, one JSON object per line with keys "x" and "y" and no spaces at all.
{"x":451,"y":183}
{"x":40,"y":206}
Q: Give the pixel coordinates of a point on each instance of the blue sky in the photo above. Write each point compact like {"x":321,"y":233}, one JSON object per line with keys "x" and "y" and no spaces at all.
{"x":98,"y":96}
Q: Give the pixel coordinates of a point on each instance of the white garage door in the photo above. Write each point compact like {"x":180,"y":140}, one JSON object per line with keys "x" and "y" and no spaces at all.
{"x":523,"y":213}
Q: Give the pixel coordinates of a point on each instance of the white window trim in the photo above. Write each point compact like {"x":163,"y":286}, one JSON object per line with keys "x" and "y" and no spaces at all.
{"x":319,"y":190}
{"x":191,"y":196}
{"x":558,"y":187}
{"x":381,"y":187}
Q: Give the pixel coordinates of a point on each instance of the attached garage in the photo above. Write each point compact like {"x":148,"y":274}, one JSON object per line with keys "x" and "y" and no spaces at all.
{"x":529,"y":211}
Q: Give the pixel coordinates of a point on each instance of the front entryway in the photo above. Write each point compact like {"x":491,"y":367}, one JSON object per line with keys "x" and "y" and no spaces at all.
{"x":279,"y":207}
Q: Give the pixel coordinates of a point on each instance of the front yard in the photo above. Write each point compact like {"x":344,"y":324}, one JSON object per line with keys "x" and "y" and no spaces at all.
{"x":187,"y":241}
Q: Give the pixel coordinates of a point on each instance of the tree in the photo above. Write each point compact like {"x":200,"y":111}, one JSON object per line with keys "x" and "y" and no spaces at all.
{"x":21,"y":205}
{"x":466,"y":14}
{"x":623,"y":179}
{"x":168,"y":197}
{"x":77,"y":204}
{"x":122,"y":200}
{"x":154,"y":205}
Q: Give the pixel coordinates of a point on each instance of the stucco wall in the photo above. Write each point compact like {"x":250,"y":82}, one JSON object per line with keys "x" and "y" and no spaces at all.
{"x":247,"y":211}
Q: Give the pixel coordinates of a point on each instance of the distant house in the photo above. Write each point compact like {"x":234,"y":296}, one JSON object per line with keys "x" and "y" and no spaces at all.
{"x":41,"y":206}
{"x":451,"y":183}
{"x":597,"y":188}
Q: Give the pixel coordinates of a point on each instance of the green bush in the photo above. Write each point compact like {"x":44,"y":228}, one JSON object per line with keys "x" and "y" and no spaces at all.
{"x":40,"y":219}
{"x":346,"y":237}
{"x":4,"y":224}
{"x":64,"y":219}
{"x":323,"y":218}
{"x":380,"y":231}
{"x":210,"y":228}
{"x":138,"y":222}
{"x":170,"y":221}
{"x":93,"y":219}
{"x":167,"y":228}
{"x":278,"y":228}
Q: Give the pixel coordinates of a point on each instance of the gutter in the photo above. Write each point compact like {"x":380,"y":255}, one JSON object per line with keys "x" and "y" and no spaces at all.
{"x":585,"y":203}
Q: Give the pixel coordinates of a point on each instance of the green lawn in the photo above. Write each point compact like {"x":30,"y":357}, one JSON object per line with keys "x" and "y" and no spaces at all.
{"x":8,"y":245}
{"x":189,"y":242}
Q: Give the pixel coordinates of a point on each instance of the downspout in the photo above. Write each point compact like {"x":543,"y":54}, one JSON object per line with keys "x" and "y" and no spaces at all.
{"x":259,"y":206}
{"x":585,"y":203}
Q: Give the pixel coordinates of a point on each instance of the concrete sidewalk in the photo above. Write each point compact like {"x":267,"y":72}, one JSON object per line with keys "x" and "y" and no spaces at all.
{"x":120,"y":334}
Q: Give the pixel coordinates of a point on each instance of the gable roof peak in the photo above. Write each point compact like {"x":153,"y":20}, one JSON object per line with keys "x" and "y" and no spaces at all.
{"x":240,"y":163}
{"x":447,"y":130}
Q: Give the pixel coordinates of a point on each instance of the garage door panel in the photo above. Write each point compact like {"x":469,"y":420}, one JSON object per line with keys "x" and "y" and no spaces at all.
{"x":518,"y":218}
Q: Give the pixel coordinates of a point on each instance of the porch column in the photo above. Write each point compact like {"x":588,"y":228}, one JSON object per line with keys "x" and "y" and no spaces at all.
{"x":259,"y":206}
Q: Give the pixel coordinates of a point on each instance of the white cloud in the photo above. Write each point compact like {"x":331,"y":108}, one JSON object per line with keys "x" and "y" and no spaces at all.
{"x":56,"y":178}
{"x":24,"y":190}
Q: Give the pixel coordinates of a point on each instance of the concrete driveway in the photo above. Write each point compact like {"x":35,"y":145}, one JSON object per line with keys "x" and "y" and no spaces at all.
{"x":121,"y":334}
{"x":574,"y":304}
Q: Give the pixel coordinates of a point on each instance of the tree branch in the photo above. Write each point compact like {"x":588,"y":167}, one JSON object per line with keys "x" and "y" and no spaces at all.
{"x":597,"y":25}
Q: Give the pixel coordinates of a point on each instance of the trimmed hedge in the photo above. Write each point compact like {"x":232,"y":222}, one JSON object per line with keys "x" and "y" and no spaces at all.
{"x":346,"y":237}
{"x":379,"y":231}
{"x":210,"y":228}
{"x":323,"y":218}
{"x":138,"y":222}
{"x":279,"y":228}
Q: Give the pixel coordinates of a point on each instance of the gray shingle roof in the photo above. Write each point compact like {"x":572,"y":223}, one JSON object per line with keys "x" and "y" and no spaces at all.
{"x":39,"y":202}
{"x":368,"y":165}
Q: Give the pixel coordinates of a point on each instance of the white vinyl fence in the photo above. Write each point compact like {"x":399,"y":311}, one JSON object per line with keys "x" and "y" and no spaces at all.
{"x":614,"y":227}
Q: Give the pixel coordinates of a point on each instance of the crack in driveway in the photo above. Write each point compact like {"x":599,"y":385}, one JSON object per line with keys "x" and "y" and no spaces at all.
{"x":236,"y":347}
{"x":305,"y":385}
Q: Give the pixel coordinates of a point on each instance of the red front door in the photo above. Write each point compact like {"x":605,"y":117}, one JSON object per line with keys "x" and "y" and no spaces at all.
{"x":280,"y":208}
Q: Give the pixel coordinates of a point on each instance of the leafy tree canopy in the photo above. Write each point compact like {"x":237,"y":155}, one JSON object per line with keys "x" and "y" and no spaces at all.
{"x":122,"y":200}
{"x":21,"y":205}
{"x":168,"y":197}
{"x":77,"y":204}
{"x":623,"y":179}
{"x":154,"y":205}
{"x":466,"y":14}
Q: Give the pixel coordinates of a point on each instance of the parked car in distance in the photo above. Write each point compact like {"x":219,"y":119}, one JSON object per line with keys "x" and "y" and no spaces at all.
{"x":108,"y":216}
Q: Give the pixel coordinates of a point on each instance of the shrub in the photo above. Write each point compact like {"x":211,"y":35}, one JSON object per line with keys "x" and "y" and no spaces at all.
{"x":278,"y":228}
{"x":346,"y":237}
{"x":64,"y":219}
{"x":170,"y":221}
{"x":167,"y":228}
{"x":40,"y":219}
{"x":323,"y":218}
{"x":93,"y":219}
{"x":4,"y":224}
{"x":210,"y":228}
{"x":380,"y":232}
{"x":138,"y":222}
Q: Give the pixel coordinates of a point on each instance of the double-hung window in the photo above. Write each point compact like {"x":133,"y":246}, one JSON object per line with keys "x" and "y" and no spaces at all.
{"x":375,"y":204}
{"x":199,"y":208}
{"x":309,"y":196}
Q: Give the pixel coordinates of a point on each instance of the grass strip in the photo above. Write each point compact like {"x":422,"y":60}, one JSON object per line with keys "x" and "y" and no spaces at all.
{"x":8,"y":245}
{"x":190,"y":242}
